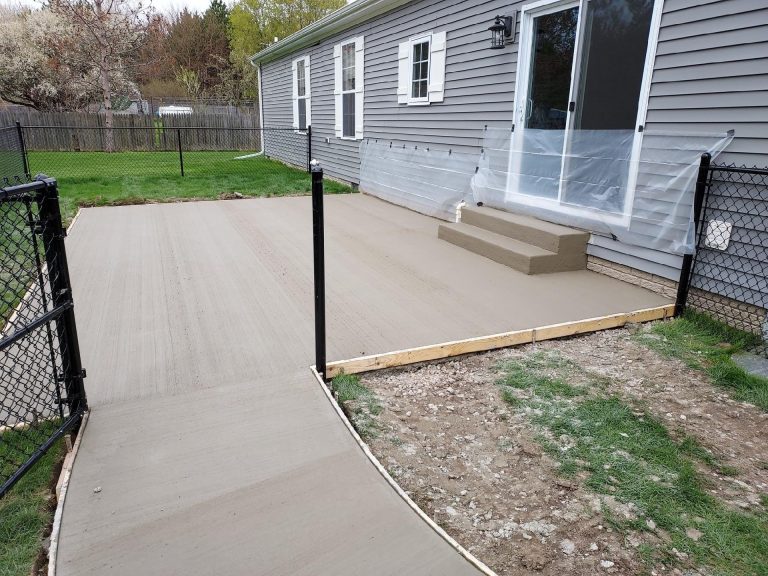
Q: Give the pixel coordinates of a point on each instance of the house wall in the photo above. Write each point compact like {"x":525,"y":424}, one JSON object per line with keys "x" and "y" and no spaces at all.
{"x":710,"y":75}
{"x":479,"y":83}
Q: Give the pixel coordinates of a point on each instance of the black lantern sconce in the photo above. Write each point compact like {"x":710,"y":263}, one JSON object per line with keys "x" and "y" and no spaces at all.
{"x":502,"y":28}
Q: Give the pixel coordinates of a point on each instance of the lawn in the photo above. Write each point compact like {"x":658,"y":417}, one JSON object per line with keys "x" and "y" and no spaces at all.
{"x":26,"y":511}
{"x":707,"y":345}
{"x":101,"y":178}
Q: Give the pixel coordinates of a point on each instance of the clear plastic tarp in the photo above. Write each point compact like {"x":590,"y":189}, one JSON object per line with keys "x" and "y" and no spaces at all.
{"x":431,"y":181}
{"x":636,"y":187}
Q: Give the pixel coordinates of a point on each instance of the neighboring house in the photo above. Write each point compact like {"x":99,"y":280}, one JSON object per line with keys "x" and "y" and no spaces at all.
{"x":422,"y":74}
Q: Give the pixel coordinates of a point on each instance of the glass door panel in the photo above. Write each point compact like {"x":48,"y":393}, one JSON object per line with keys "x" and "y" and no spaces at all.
{"x":539,"y":145}
{"x":610,"y":69}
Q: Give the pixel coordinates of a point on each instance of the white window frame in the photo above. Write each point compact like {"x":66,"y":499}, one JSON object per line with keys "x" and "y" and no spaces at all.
{"x":435,"y":69}
{"x":419,"y":100}
{"x":307,"y":97}
{"x":522,"y":79}
{"x":359,"y":43}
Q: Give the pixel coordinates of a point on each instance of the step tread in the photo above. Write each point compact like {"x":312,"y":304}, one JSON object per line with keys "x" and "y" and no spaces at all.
{"x":527,"y":221}
{"x":505,"y":242}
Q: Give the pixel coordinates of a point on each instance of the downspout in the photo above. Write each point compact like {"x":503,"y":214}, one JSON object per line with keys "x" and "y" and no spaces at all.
{"x":261,"y":107}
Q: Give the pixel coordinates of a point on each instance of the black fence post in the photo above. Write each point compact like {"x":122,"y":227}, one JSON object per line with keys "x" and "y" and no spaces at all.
{"x":684,"y":283}
{"x":181,"y":155}
{"x":309,"y":148}
{"x":318,"y":242}
{"x":20,"y":132}
{"x":53,"y":234}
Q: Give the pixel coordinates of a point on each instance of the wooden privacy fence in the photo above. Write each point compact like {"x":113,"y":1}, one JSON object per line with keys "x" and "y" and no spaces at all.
{"x":86,"y":132}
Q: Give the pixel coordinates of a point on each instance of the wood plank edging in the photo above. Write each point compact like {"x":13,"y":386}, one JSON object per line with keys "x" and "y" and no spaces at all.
{"x":495,"y":341}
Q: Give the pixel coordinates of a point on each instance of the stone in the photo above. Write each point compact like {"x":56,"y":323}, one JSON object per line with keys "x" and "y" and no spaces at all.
{"x":567,"y":546}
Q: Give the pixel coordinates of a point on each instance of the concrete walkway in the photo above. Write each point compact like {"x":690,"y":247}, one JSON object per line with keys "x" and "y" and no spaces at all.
{"x":215,"y":450}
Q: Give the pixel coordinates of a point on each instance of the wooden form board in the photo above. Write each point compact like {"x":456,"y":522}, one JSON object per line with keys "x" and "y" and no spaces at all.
{"x":495,"y":341}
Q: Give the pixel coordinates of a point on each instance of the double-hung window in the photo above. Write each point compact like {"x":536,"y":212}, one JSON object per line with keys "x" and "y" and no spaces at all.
{"x":421,"y":69}
{"x":302,"y":107}
{"x":348,"y":60}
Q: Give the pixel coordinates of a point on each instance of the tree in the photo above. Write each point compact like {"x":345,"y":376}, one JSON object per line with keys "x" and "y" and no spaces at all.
{"x":103,"y":36}
{"x":32,"y":71}
{"x":254,"y":24}
{"x":199,"y":44}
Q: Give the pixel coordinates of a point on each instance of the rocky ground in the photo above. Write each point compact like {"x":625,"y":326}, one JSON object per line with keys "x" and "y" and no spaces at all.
{"x":475,"y":463}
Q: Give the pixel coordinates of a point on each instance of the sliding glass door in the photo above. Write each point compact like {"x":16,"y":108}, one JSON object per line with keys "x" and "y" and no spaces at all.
{"x":580,"y":75}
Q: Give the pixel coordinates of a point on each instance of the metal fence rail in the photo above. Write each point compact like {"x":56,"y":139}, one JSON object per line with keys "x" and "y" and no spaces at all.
{"x":41,"y":378}
{"x":729,"y":272}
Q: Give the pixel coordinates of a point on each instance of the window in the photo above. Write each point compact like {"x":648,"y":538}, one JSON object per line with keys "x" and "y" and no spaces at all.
{"x":348,"y":89}
{"x":302,"y":110}
{"x":348,"y":62}
{"x":421,"y":71}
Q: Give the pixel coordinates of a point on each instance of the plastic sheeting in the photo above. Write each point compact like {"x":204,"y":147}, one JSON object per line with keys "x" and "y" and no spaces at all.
{"x":645,"y":199}
{"x":433,"y":182}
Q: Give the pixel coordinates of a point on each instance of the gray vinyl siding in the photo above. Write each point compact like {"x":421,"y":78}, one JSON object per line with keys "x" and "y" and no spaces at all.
{"x":479,"y":83}
{"x":710,"y":75}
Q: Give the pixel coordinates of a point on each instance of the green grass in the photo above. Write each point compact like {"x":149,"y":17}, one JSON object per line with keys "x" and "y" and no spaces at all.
{"x":360,"y":404}
{"x":26,"y":510}
{"x":707,"y":345}
{"x":101,"y":178}
{"x":630,"y":455}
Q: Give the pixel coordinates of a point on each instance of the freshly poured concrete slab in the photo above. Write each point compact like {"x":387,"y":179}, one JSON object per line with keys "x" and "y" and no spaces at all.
{"x":214,"y":449}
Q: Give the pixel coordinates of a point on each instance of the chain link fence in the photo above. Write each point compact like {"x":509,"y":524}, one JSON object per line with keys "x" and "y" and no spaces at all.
{"x":13,"y":160}
{"x":729,"y":277}
{"x":160,"y":151}
{"x":41,"y":377}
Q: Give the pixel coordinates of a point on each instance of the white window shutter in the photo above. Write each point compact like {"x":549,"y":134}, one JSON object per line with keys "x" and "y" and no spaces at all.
{"x":403,"y":73}
{"x":308,"y":90}
{"x":359,"y":86}
{"x":337,"y":88}
{"x":436,"y":88}
{"x":295,"y":95}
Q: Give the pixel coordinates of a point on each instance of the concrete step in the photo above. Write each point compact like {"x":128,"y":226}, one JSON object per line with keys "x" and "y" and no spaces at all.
{"x":546,"y":235}
{"x":511,"y":252}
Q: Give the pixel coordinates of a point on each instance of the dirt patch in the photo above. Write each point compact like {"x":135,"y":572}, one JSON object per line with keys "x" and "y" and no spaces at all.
{"x":475,"y":463}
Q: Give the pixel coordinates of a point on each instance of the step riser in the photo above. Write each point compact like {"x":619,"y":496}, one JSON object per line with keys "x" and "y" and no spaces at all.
{"x":568,"y":244}
{"x":538,"y":264}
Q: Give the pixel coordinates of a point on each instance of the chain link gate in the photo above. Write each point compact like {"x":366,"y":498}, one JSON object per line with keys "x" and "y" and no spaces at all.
{"x":41,"y":377}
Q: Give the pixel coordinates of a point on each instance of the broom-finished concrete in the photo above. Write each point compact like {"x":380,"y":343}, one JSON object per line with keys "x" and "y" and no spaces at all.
{"x":213,"y":449}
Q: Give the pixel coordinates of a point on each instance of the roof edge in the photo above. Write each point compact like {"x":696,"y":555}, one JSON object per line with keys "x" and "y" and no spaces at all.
{"x":350,"y":15}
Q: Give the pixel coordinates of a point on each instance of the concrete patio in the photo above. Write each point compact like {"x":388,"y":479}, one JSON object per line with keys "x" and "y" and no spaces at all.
{"x":215,"y":450}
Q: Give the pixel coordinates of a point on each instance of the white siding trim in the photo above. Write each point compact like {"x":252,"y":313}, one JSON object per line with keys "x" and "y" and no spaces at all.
{"x":338,"y":89}
{"x":295,"y":91}
{"x":338,"y":120}
{"x":359,"y":86}
{"x":403,"y":73}
{"x":436,"y":84}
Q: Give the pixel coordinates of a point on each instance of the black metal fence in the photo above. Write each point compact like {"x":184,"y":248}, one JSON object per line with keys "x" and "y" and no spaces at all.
{"x":729,"y":273}
{"x":163,"y":151}
{"x":41,"y":377}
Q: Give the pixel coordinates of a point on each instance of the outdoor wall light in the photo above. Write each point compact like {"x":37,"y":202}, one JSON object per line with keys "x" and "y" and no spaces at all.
{"x":502,"y":28}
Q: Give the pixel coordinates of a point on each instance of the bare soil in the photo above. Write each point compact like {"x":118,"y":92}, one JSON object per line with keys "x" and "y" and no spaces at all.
{"x":474,"y":464}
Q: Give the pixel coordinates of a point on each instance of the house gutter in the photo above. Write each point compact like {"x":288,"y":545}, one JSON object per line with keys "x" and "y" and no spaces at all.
{"x":350,"y":15}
